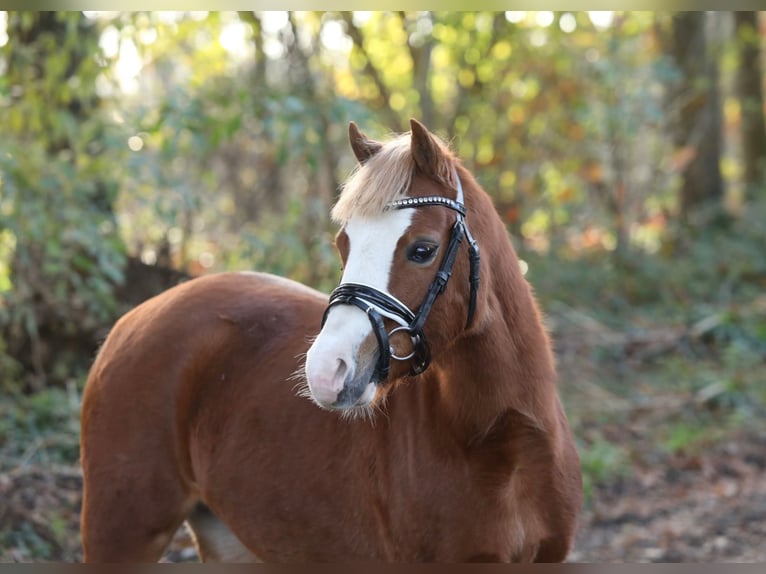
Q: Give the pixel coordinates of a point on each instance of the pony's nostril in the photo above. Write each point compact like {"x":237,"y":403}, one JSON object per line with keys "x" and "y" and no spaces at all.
{"x":340,"y":373}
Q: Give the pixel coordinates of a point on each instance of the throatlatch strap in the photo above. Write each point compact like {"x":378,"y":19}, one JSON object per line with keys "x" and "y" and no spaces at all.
{"x":442,"y":276}
{"x":473,"y":277}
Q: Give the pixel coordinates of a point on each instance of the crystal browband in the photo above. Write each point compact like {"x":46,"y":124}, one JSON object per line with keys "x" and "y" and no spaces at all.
{"x":430,"y":200}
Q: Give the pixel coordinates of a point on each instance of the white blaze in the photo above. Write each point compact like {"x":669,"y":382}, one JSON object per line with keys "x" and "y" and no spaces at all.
{"x":372,"y":244}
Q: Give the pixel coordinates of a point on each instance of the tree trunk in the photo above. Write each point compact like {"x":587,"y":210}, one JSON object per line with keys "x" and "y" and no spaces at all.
{"x":699,"y":123}
{"x":421,"y":67}
{"x":383,"y":101}
{"x":750,"y":94}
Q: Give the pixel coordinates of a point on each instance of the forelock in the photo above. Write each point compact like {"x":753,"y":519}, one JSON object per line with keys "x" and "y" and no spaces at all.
{"x":383,"y":178}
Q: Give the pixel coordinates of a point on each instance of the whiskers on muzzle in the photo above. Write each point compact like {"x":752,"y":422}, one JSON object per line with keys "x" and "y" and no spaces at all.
{"x":367,"y":413}
{"x":301,"y":386}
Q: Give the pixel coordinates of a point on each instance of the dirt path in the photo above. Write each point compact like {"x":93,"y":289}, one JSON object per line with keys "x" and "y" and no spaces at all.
{"x":707,"y":507}
{"x":704,"y":507}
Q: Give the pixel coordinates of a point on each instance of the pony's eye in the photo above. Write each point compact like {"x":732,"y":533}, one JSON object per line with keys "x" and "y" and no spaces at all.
{"x":421,"y":252}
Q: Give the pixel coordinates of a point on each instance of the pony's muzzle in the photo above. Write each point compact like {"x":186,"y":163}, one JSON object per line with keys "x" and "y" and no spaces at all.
{"x":326,"y":386}
{"x":340,"y":365}
{"x":339,"y":383}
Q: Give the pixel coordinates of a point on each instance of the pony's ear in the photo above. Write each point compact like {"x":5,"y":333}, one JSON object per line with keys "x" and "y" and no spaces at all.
{"x":363,"y":147}
{"x":428,"y":154}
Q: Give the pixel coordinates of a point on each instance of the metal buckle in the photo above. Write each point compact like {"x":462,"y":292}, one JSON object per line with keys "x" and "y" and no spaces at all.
{"x":414,"y":341}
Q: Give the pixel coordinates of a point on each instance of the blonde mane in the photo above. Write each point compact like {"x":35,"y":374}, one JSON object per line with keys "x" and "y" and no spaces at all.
{"x":383,"y":178}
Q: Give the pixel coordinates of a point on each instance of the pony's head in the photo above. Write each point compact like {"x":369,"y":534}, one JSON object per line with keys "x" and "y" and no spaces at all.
{"x":402,"y":217}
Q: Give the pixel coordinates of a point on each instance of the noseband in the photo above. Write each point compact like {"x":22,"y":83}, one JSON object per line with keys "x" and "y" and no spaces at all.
{"x":379,"y":304}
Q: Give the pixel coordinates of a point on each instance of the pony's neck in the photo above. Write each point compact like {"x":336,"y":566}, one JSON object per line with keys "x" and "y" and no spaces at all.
{"x":504,"y":362}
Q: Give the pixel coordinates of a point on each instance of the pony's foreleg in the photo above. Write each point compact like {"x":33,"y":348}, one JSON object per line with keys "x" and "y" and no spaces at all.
{"x":124,"y":522}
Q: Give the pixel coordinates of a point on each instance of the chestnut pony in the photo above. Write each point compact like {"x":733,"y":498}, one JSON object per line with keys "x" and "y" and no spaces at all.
{"x":434,"y":430}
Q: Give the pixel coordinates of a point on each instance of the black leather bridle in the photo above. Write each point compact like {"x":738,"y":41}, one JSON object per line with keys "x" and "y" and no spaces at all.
{"x":378,"y":304}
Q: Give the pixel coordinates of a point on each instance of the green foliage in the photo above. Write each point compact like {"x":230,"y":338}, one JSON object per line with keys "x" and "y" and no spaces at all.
{"x":287,"y":247}
{"x":27,"y":541}
{"x":66,"y":250}
{"x":684,"y":436}
{"x":691,"y":275}
{"x":42,"y":428}
{"x":61,"y":252}
{"x":232,"y":174}
{"x":701,"y":292}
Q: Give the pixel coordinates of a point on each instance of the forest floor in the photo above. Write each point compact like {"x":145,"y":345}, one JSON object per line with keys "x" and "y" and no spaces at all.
{"x":705,"y":507}
{"x":674,"y":471}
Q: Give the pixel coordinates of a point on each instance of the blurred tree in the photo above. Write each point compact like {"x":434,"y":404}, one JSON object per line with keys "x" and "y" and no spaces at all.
{"x":698,"y":132}
{"x":626,"y":128}
{"x":58,"y":214}
{"x":381,"y":100}
{"x":236,"y":126}
{"x":241,"y":151}
{"x":420,"y":45}
{"x":475,"y":78}
{"x":750,"y":94}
